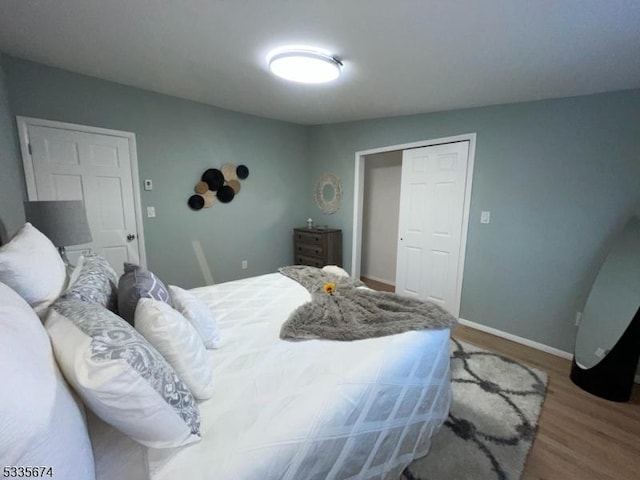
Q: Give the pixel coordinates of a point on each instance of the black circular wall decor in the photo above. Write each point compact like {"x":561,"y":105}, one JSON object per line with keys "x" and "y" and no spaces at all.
{"x":214,"y":178}
{"x":225,"y":194}
{"x":196,"y":202}
{"x":242,"y":171}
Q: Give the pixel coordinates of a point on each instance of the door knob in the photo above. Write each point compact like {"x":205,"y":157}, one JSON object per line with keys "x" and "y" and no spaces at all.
{"x":131,"y":237}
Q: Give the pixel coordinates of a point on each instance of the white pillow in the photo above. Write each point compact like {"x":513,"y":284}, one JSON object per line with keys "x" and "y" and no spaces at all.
{"x":31,"y":265}
{"x":120,"y":376}
{"x":336,"y":270}
{"x":41,"y":422}
{"x":178,"y":342}
{"x":198,"y":313}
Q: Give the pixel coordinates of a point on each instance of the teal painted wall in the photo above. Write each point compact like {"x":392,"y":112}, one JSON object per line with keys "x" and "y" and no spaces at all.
{"x":560,"y":178}
{"x":176,"y":141}
{"x":12,"y":190}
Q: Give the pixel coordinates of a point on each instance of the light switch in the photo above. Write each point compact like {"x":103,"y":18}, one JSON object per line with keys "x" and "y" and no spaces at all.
{"x":151,"y":212}
{"x":148,"y":184}
{"x":485,"y":217}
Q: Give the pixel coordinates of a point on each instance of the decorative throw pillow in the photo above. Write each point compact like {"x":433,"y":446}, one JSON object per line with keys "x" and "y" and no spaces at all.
{"x":198,"y":313}
{"x":94,"y":281}
{"x":178,"y":342}
{"x":41,"y":422}
{"x":122,"y":378}
{"x":336,"y":270}
{"x":136,"y":283}
{"x":31,"y":265}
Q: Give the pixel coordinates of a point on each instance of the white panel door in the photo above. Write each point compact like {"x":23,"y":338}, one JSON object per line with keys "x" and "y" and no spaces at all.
{"x":432,"y":197}
{"x":67,"y":164}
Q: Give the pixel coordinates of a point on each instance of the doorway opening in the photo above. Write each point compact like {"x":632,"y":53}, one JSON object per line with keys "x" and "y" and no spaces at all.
{"x":380,"y":212}
{"x":439,"y":163}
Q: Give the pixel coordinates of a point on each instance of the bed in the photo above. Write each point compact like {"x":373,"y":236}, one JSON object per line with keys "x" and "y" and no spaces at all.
{"x":310,"y":410}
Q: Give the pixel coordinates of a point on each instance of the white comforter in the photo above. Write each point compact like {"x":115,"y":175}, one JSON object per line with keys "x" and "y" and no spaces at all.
{"x":311,"y":410}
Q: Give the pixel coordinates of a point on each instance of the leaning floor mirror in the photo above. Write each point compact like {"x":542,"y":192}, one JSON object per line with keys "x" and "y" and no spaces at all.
{"x":608,"y":341}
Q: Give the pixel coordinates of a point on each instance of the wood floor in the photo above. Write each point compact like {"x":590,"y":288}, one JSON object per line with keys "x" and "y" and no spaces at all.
{"x":580,"y":436}
{"x":376,"y":285}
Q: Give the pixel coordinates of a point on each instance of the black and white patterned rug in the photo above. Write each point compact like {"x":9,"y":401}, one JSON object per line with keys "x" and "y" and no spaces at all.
{"x":492,"y":421}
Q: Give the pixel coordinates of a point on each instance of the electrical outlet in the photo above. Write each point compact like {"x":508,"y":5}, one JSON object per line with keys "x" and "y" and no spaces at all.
{"x":148,"y":184}
{"x":244,"y":264}
{"x":485,"y":217}
{"x":599,"y":352}
{"x":578,"y":318}
{"x":151,"y":212}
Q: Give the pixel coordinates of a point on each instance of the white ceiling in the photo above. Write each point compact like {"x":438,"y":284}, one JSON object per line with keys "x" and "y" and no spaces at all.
{"x":400,"y":56}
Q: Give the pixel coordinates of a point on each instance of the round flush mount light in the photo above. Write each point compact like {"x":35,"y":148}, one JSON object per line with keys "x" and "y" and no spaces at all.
{"x":304,"y":65}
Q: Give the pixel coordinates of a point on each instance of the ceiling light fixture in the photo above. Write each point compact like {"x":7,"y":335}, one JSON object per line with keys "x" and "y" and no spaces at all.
{"x":304,"y":65}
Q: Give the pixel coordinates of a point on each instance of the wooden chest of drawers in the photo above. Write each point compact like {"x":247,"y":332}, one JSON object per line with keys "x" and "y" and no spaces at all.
{"x":316,"y":247}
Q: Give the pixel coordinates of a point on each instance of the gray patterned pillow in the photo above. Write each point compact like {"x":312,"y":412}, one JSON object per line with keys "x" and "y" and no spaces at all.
{"x":96,"y":282}
{"x":120,"y":376}
{"x":136,"y":283}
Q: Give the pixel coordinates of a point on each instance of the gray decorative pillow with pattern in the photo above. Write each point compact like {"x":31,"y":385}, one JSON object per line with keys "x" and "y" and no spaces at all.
{"x":121,"y":377}
{"x":135,"y":283}
{"x":96,"y":282}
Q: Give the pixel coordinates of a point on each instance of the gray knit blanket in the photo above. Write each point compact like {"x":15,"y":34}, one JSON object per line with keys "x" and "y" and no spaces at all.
{"x":352,"y":313}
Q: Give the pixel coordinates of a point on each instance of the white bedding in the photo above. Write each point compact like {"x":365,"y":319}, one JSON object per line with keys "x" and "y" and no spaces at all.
{"x":311,"y":410}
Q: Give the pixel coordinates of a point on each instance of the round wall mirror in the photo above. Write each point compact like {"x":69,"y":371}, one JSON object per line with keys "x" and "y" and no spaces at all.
{"x":328,"y":193}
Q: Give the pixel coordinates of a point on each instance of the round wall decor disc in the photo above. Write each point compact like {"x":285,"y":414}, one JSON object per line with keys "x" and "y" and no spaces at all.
{"x":225,"y":194}
{"x":328,"y":193}
{"x":209,"y":198}
{"x":196,"y":202}
{"x":235,"y":184}
{"x":242,"y":171}
{"x":214,"y":178}
{"x":201,"y":187}
{"x":229,"y":172}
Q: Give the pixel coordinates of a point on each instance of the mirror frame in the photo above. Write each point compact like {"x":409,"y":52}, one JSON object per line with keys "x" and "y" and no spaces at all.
{"x":611,"y":322}
{"x":328,"y":205}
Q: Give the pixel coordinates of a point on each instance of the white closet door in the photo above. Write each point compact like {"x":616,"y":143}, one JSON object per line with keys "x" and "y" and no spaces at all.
{"x":432,"y":197}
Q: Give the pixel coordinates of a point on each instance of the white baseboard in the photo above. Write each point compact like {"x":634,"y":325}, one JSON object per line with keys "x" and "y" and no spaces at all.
{"x":371,"y":277}
{"x":524,"y":341}
{"x":514,"y":338}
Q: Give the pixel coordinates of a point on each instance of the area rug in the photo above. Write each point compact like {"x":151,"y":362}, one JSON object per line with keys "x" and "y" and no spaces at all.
{"x":492,"y":421}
